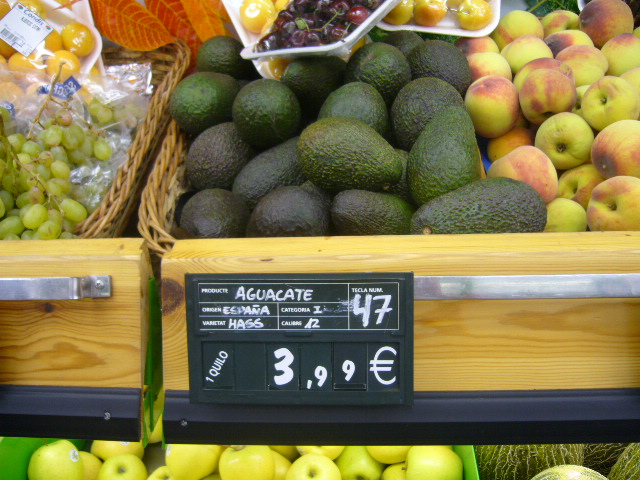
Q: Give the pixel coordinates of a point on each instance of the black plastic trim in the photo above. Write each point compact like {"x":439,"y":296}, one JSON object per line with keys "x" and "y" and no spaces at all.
{"x":493,"y":417}
{"x":70,"y":412}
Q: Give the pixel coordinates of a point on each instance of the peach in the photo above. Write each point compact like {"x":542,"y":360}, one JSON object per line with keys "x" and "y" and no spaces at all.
{"x":514,"y":24}
{"x":470,"y":45}
{"x":616,"y":149}
{"x":577,"y":183}
{"x":564,"y":215}
{"x":587,"y":62}
{"x":541,"y":63}
{"x":514,"y":138}
{"x":633,"y":76}
{"x":524,"y":49}
{"x":492,"y":103}
{"x":605,"y":19}
{"x":622,"y":52}
{"x":559,"y":20}
{"x":577,"y":108}
{"x":608,"y":100}
{"x":488,"y":63}
{"x":560,"y":40}
{"x":545,"y":92}
{"x":614,"y":205}
{"x":530,"y":165}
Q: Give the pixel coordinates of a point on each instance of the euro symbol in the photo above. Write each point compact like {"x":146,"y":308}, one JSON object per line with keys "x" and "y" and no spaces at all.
{"x":378,"y":365}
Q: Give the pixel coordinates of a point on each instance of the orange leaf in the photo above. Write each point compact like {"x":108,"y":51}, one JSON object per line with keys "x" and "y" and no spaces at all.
{"x":173,"y":16}
{"x":129,"y":24}
{"x":216,"y":7}
{"x":207,"y":23}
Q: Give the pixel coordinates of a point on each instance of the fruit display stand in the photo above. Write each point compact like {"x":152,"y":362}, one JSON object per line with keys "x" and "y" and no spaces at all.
{"x":518,"y":338}
{"x":74,"y":323}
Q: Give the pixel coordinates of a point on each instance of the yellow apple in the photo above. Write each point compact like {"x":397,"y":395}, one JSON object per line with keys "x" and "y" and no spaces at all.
{"x":560,"y":40}
{"x":241,"y":462}
{"x":433,"y":461}
{"x":330,"y":451}
{"x":488,"y":63}
{"x":125,"y":466}
{"x":282,"y":466}
{"x":58,"y":460}
{"x":290,"y":452}
{"x":616,"y":149}
{"x":355,"y":463}
{"x":161,"y":473}
{"x":622,"y":52}
{"x":531,"y":165}
{"x":577,"y":183}
{"x":559,"y":20}
{"x":389,"y":454}
{"x":604,"y":19}
{"x":609,"y":100}
{"x":566,"y":138}
{"x":394,"y":472}
{"x":577,"y":108}
{"x":587,"y":62}
{"x":313,"y":467}
{"x":614,"y":205}
{"x":514,"y":24}
{"x":514,"y":138}
{"x":538,"y":63}
{"x":524,"y":49}
{"x":492,"y":103}
{"x":104,"y":449}
{"x":90,"y":464}
{"x":545,"y":92}
{"x":188,"y":461}
{"x":564,"y":215}
{"x":470,"y":45}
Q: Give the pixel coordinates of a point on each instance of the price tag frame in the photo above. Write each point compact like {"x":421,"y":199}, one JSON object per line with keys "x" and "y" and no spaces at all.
{"x":212,"y":347}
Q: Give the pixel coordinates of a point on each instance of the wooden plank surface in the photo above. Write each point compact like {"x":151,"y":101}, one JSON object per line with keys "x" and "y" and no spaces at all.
{"x":88,"y":342}
{"x":461,"y":345}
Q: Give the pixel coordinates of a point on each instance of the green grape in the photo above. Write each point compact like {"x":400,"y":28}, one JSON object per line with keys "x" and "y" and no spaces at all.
{"x":68,"y":225}
{"x":11,"y":225}
{"x":43,"y":172}
{"x":94,"y":107}
{"x":14,"y":212}
{"x":16,"y":140}
{"x":102,"y":150}
{"x":54,"y":215}
{"x":69,"y":139}
{"x":36,"y":195}
{"x":11,"y":236}
{"x":59,"y":153}
{"x":60,"y":169}
{"x":29,"y":235}
{"x":23,"y":200}
{"x":63,"y":117}
{"x":77,"y":157}
{"x":45,"y":158}
{"x":52,"y":136}
{"x":9,"y":182}
{"x":49,"y":230}
{"x":6,"y":115}
{"x":58,"y":187}
{"x":34,"y":216}
{"x":73,"y":210}
{"x":78,"y":131}
{"x":87,"y":146}
{"x":26,"y":179}
{"x":104,"y":115}
{"x":25,"y":158}
{"x":7,"y":199}
{"x":67,"y":235}
{"x":127,"y":118}
{"x":31,"y":148}
{"x":2,"y":208}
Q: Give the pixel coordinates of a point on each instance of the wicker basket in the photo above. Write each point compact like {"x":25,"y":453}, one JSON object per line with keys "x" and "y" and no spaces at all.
{"x":169,"y":64}
{"x":165,"y":184}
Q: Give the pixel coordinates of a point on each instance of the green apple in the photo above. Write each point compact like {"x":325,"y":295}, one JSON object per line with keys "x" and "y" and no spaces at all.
{"x":397,"y":471}
{"x":331,"y":451}
{"x":564,"y":215}
{"x":58,"y":460}
{"x":313,"y":466}
{"x":614,"y":205}
{"x":187,"y":461}
{"x":566,"y":138}
{"x":241,"y":462}
{"x":161,"y":473}
{"x":355,"y":463}
{"x":433,"y":462}
{"x":389,"y":454}
{"x":290,"y":452}
{"x":126,"y":466}
{"x":91,"y":465}
{"x":104,"y":449}
{"x":608,"y":100}
{"x":282,"y":465}
{"x":577,"y":183}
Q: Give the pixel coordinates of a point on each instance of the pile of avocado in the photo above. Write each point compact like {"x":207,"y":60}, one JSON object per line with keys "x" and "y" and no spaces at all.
{"x":379,"y":144}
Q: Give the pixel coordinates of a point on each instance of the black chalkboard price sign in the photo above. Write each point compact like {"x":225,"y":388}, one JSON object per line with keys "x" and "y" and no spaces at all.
{"x":301,"y":339}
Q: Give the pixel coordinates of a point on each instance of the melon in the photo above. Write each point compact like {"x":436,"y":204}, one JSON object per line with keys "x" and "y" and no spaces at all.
{"x":569,"y":472}
{"x":521,"y":462}
{"x":627,"y":467}
{"x":601,"y":456}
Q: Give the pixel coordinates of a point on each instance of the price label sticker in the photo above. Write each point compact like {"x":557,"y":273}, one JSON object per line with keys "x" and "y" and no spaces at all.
{"x":23,"y":29}
{"x":301,"y":338}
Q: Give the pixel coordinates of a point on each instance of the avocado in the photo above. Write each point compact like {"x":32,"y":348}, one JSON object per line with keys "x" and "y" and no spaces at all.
{"x":403,"y":40}
{"x":266,"y":112}
{"x":444,"y":157}
{"x":401,"y":187}
{"x":360,"y":212}
{"x":202,"y":100}
{"x":312,"y":79}
{"x":381,"y":65}
{"x":214,"y":213}
{"x":289,"y":211}
{"x":216,"y":156}
{"x":440,"y":59}
{"x":338,"y":153}
{"x":488,"y":205}
{"x":275,"y":167}
{"x":416,"y":103}
{"x":221,"y":54}
{"x":361,"y":101}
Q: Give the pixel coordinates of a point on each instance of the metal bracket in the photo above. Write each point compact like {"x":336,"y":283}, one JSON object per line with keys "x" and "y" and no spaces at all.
{"x":55,"y":288}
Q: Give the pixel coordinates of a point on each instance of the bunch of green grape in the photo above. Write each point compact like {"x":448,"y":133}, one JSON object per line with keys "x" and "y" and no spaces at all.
{"x":37,"y":197}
